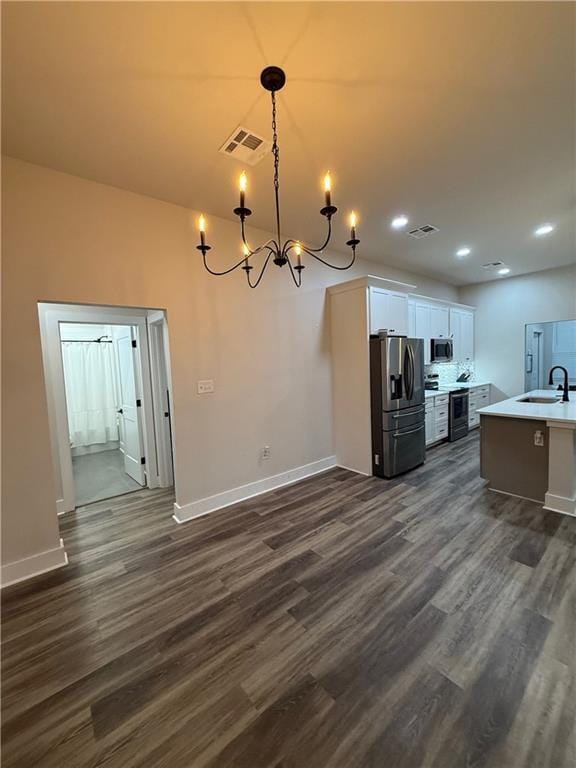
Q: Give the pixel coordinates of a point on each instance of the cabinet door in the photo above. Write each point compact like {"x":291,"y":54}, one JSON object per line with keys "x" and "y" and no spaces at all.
{"x":412,"y":320}
{"x":439,"y":322}
{"x":430,"y":427}
{"x":388,"y":310}
{"x":398,"y":313}
{"x":378,"y":310}
{"x":467,"y":337}
{"x":422,"y":328}
{"x":456,"y":333}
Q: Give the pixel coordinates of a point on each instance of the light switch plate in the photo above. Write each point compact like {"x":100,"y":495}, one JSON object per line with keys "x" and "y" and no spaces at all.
{"x":205,"y":386}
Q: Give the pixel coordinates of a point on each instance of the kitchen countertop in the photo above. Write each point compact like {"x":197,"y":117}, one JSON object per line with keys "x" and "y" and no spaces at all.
{"x":465,"y":385}
{"x":447,"y":388}
{"x":513,"y":409}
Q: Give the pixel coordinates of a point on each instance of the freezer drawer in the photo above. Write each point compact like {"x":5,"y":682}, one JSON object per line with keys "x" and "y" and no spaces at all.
{"x":407,"y":417}
{"x":401,"y":450}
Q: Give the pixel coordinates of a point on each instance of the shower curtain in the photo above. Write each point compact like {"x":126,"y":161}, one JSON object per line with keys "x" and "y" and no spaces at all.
{"x":91,"y":392}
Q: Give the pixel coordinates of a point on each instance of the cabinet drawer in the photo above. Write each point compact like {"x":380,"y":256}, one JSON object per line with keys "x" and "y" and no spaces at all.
{"x":441,"y":400}
{"x":441,"y":431}
{"x":473,"y":404}
{"x":440,"y":414}
{"x":483,"y":401}
{"x":484,"y":390}
{"x":473,"y":420}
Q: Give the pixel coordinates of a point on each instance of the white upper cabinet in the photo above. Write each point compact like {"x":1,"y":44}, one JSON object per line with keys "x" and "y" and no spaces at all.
{"x":412,"y":319}
{"x":462,"y":331}
{"x":439,"y":322}
{"x":429,"y":320}
{"x":422,"y":323}
{"x":388,"y":311}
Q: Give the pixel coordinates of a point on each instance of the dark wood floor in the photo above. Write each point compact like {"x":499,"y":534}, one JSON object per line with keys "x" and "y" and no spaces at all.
{"x":341,"y":622}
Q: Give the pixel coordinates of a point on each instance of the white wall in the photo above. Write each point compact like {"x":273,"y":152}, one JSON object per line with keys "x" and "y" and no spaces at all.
{"x":66,"y":239}
{"x":503,"y":307}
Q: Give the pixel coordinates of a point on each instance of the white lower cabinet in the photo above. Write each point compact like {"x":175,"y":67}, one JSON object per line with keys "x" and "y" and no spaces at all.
{"x":436,"y":418}
{"x":437,"y":412}
{"x":429,"y":424}
{"x":478,"y":397}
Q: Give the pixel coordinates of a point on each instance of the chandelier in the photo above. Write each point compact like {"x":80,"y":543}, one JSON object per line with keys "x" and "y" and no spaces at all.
{"x":290,"y":251}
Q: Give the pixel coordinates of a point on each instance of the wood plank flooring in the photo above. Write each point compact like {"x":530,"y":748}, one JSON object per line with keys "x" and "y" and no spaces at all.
{"x":341,"y":622}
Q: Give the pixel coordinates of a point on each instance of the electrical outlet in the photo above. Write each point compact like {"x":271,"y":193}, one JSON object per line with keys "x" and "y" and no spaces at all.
{"x":265,"y":453}
{"x":205,"y":386}
{"x":539,"y":438}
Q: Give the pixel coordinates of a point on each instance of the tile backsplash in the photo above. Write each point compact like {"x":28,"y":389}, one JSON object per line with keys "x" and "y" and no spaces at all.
{"x":449,"y":372}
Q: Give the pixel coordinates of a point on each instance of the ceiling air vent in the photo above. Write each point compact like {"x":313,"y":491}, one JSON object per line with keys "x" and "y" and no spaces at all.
{"x":246,"y":146}
{"x":493,"y":265}
{"x":424,"y":231}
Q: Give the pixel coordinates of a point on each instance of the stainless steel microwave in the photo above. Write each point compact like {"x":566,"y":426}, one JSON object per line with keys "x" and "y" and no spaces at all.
{"x":442,"y":350}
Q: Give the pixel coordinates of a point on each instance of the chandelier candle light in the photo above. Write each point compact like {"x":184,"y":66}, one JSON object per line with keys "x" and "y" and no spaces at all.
{"x":281,"y":253}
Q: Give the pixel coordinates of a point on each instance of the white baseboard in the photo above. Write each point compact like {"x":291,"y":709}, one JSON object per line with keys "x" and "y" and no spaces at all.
{"x":20,"y":570}
{"x":561,"y":504}
{"x":356,"y":471}
{"x":185,"y":512}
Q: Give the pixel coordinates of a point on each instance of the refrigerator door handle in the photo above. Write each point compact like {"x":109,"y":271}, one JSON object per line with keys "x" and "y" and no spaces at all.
{"x":411,"y":368}
{"x":407,"y":371}
{"x":410,"y":432}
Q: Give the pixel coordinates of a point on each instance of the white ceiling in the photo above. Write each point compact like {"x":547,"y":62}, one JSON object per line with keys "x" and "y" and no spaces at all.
{"x":461,"y":115}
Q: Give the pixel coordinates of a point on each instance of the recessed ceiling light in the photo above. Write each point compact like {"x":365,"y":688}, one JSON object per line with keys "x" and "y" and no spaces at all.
{"x":462,"y":252}
{"x":504,"y":271}
{"x":399,"y":222}
{"x":544,"y":229}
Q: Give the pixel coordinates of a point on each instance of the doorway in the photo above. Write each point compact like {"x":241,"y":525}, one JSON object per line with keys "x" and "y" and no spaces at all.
{"x":101,"y":405}
{"x":108,"y":385}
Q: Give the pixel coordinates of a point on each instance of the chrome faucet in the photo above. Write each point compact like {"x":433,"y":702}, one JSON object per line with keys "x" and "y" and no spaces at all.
{"x":565,"y":398}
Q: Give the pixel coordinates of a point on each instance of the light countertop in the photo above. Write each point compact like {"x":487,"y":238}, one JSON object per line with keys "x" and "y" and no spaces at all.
{"x":513,"y":409}
{"x":447,"y":388}
{"x":435,"y":392}
{"x":465,"y":385}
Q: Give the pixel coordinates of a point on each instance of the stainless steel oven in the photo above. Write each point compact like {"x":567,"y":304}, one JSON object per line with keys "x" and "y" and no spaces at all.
{"x":441,"y":351}
{"x":458,"y":415}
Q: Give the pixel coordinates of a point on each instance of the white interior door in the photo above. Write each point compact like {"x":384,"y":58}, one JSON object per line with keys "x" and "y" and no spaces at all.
{"x":128,"y":409}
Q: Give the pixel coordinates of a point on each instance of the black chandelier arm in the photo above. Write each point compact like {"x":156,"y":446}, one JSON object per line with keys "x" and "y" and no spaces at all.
{"x":290,"y":243}
{"x":297,"y":280}
{"x":267,"y":244}
{"x":327,"y":263}
{"x":247,"y":269}
{"x":226,"y":271}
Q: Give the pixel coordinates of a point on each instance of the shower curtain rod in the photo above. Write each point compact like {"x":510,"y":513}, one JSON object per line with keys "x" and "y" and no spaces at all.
{"x":101,"y":340}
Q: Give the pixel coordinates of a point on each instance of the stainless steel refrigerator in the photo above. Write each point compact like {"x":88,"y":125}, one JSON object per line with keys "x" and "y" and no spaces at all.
{"x":398,"y":410}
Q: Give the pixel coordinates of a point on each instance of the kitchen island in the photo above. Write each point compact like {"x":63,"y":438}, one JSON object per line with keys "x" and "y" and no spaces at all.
{"x":528,"y":448}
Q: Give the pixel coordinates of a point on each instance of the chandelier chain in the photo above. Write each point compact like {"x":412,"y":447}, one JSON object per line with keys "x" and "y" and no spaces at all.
{"x":275,"y":148}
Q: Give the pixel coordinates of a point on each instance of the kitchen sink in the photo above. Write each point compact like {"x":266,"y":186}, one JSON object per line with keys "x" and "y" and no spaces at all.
{"x":539,"y":400}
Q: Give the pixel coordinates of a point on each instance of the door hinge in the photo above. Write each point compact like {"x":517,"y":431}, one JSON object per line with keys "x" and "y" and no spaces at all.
{"x":138,"y":403}
{"x":134,"y":343}
{"x":143,"y":460}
